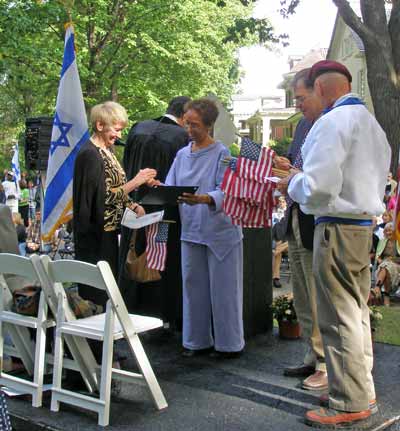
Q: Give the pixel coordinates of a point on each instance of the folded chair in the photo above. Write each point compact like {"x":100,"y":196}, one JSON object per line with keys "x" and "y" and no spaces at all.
{"x":112,"y":325}
{"x":83,"y":360}
{"x":31,"y":353}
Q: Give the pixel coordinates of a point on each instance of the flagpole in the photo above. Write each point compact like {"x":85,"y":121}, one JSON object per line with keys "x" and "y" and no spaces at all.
{"x":68,"y":5}
{"x":69,"y":133}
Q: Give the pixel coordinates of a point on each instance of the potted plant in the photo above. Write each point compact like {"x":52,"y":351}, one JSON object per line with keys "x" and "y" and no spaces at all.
{"x":375,"y":317}
{"x":284,"y":312}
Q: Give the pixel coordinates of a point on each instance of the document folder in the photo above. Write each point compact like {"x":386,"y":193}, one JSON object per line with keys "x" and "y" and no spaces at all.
{"x":165,"y":195}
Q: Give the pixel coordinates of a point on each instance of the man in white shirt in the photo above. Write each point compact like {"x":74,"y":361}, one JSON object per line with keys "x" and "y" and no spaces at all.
{"x":346,"y":159}
{"x":11,"y":191}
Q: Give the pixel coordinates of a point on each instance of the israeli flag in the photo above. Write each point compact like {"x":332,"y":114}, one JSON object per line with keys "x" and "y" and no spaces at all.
{"x":15,"y":166}
{"x":70,"y":132}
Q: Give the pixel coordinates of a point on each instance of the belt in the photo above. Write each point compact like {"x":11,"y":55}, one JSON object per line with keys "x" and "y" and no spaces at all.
{"x":341,"y":220}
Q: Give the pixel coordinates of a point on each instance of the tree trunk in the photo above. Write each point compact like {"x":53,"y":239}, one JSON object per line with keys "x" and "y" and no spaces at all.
{"x":386,"y":99}
{"x":381,"y":54}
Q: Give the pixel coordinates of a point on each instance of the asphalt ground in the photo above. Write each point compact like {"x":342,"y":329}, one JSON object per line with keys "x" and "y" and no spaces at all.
{"x":247,"y":393}
{"x":205,"y":394}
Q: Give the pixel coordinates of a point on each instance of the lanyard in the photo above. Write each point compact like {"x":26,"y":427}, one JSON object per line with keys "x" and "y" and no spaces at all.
{"x":349,"y":101}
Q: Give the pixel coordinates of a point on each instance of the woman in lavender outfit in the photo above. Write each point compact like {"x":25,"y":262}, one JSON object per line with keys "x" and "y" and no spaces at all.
{"x":212,"y":254}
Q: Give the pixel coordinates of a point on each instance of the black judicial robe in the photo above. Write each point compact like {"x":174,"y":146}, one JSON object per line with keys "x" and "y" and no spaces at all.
{"x":88,"y":197}
{"x":154,"y":144}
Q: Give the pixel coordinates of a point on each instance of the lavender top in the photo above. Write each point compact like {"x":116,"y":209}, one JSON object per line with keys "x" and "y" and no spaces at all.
{"x":204,"y":224}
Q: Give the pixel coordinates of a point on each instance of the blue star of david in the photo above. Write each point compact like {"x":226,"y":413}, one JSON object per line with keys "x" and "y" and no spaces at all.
{"x":16,"y":171}
{"x":62,"y":140}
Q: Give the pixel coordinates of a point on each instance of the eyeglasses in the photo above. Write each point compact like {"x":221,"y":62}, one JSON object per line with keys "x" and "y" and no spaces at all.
{"x":191,"y":126}
{"x":299,"y":100}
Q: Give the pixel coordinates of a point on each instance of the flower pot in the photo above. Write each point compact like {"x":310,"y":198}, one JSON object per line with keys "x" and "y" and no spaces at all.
{"x":289,"y":329}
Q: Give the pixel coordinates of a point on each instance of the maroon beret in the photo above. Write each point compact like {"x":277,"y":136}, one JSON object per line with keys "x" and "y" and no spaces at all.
{"x":326,"y":66}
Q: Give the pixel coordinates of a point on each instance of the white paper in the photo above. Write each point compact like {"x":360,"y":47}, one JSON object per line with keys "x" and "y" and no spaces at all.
{"x":131,"y":220}
{"x":273,"y":179}
{"x":128,"y":217}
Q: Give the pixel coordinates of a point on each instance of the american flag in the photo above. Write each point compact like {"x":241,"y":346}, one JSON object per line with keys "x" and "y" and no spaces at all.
{"x":254,"y":162}
{"x":156,"y":248}
{"x":248,"y":196}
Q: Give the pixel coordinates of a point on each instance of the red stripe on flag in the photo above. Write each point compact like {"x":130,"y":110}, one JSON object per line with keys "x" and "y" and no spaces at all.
{"x":156,"y":252}
{"x":248,"y":196}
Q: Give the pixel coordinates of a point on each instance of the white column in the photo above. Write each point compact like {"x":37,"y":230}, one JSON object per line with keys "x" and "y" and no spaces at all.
{"x":266,"y":130}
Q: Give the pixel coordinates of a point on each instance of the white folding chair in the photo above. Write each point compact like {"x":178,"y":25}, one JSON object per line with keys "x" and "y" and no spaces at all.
{"x":115,"y":324}
{"x":31,"y":353}
{"x":83,"y":360}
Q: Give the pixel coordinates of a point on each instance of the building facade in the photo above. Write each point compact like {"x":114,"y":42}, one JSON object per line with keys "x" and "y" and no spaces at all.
{"x":347,"y":48}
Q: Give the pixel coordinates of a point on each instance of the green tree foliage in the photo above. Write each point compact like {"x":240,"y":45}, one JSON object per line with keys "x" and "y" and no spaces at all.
{"x":379,"y":29}
{"x":137,"y":52}
{"x":234,"y":150}
{"x":281,"y":146}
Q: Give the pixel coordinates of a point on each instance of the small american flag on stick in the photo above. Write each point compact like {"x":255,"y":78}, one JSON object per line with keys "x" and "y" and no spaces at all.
{"x":156,"y":248}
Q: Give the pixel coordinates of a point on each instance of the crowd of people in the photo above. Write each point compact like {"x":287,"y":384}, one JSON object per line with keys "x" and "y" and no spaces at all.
{"x":336,"y":186}
{"x":24,"y":200}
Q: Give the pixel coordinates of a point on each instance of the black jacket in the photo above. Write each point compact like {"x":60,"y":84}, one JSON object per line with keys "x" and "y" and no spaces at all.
{"x":88,"y":198}
{"x":154,"y":144}
{"x":306,"y":221}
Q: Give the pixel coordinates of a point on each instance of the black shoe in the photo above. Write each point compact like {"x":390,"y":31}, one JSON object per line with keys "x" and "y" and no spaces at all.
{"x":189,"y":353}
{"x":299,"y":371}
{"x":226,"y":355}
{"x":276,"y":282}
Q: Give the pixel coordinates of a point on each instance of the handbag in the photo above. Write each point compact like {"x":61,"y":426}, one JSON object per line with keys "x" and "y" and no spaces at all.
{"x":26,"y":302}
{"x":136,"y":266}
{"x":81,"y":307}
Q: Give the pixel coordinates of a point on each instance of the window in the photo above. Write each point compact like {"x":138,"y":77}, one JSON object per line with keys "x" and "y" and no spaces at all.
{"x":347,"y":46}
{"x":289,"y":99}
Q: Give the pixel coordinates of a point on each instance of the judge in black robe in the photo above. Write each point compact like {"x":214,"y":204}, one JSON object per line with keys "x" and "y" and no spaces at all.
{"x":154,"y":144}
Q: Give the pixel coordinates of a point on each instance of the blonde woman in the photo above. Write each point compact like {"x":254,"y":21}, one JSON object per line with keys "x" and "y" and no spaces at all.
{"x":387,"y":261}
{"x":100,"y":192}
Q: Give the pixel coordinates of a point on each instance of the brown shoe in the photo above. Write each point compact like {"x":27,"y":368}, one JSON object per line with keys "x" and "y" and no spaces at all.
{"x":316,"y":382}
{"x":299,"y":371}
{"x":324,"y":402}
{"x":330,"y":418}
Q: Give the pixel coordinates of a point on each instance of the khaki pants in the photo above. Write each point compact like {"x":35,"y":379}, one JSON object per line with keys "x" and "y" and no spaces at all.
{"x":304,"y":294}
{"x":280,"y":247}
{"x":341,"y":268}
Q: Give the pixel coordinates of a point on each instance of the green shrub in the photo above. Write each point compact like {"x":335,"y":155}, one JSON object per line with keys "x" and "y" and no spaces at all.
{"x":283,"y":308}
{"x":235,"y":150}
{"x":281,"y":146}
